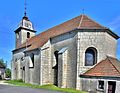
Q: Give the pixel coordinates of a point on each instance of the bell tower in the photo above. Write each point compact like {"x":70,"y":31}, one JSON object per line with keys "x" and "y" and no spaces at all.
{"x":25,"y":30}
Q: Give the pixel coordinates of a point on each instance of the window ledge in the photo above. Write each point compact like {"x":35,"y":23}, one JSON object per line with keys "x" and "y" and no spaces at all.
{"x":101,"y":90}
{"x":31,"y":67}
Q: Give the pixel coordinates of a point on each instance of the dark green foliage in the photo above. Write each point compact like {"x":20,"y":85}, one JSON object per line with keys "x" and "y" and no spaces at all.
{"x":2,"y":64}
{"x":8,"y":73}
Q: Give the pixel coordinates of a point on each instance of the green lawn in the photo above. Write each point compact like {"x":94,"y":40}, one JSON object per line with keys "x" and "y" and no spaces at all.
{"x":49,"y":86}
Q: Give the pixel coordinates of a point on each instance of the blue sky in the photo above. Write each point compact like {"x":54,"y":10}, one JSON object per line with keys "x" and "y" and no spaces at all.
{"x":47,"y":13}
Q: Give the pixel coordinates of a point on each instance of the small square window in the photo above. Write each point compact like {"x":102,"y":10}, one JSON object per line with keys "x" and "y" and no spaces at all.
{"x":100,"y":84}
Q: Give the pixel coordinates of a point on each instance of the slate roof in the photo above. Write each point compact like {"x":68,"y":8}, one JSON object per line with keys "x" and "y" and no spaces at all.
{"x":80,"y":22}
{"x":110,"y":67}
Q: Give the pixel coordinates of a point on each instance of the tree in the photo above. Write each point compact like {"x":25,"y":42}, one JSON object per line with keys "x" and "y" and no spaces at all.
{"x":2,"y":63}
{"x":7,"y":70}
{"x":8,"y":73}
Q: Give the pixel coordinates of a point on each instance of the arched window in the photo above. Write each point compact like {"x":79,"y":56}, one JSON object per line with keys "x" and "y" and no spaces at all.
{"x":28,"y":35}
{"x":90,"y":57}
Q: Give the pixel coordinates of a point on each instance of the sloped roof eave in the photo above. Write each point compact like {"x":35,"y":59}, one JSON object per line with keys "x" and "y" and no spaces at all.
{"x":112,"y":34}
{"x":89,"y":76}
{"x":105,"y":29}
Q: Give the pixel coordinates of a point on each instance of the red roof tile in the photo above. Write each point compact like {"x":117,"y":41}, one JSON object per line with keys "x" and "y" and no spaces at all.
{"x":108,"y":67}
{"x":80,"y":22}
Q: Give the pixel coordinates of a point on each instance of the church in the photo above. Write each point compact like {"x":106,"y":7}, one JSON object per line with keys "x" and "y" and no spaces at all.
{"x":79,"y":53}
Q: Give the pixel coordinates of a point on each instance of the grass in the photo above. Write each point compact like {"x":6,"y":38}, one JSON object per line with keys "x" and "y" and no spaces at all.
{"x":49,"y":86}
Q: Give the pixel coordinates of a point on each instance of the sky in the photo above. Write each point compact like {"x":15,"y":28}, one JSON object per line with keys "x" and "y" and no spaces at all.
{"x":47,"y":13}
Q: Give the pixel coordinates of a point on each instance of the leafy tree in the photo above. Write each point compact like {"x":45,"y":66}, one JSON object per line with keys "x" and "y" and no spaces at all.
{"x":8,"y":73}
{"x":2,"y":62}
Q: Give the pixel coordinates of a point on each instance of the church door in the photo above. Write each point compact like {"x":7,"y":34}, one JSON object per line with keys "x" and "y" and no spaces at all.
{"x":56,"y":76}
{"x":111,"y":87}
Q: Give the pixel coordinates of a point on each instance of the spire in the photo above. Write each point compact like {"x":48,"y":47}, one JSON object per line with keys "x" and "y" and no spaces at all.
{"x":25,"y":10}
{"x":25,"y":6}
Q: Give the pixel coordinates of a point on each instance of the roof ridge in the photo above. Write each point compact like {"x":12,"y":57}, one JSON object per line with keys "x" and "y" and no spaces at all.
{"x":113,"y":64}
{"x":81,"y":20}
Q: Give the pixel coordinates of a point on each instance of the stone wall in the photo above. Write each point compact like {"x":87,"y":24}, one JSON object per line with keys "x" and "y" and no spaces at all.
{"x":117,"y":87}
{"x":110,"y":45}
{"x":66,"y":40}
{"x":32,"y":74}
{"x":62,"y":67}
{"x":24,"y":35}
{"x":17,"y":64}
{"x":46,"y":64}
{"x":91,"y":84}
{"x":21,"y":66}
{"x":71,"y":63}
{"x":100,"y":40}
{"x":21,"y":36}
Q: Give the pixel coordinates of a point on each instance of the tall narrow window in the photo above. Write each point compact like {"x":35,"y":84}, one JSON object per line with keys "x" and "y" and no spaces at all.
{"x":31,"y":62}
{"x":90,"y":57}
{"x":28,"y":35}
{"x":32,"y":58}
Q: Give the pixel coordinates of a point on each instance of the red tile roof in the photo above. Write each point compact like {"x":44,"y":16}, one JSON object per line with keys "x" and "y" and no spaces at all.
{"x":80,"y":22}
{"x":108,"y":67}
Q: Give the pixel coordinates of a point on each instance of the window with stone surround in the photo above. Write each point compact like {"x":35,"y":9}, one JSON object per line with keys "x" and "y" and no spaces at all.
{"x":90,"y":56}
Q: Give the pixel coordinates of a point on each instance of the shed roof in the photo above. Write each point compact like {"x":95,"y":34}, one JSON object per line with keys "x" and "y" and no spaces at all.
{"x":109,"y":67}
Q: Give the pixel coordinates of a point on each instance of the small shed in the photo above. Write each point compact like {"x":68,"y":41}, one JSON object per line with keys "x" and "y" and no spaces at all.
{"x":104,"y":77}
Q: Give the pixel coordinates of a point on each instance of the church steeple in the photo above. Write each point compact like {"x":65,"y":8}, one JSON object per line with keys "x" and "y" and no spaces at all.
{"x":25,"y":22}
{"x":25,"y":29}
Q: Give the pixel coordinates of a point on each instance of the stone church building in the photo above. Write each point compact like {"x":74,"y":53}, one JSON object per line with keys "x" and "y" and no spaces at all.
{"x":64,"y":55}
